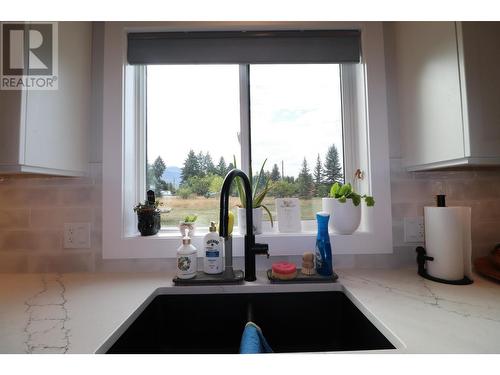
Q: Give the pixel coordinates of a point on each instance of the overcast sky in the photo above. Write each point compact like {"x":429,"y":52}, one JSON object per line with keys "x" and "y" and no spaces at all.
{"x":296,"y":112}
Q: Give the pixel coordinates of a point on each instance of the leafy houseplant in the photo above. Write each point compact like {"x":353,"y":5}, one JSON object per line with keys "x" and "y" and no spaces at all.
{"x":258,"y":195}
{"x":189,"y":224}
{"x":148,"y":215}
{"x":343,"y":205}
{"x":345,"y":192}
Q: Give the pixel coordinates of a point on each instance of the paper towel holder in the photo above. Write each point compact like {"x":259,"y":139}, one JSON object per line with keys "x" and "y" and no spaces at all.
{"x":422,"y":257}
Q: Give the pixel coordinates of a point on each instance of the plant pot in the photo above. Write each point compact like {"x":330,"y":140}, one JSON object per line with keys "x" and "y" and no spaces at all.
{"x":256,"y":217}
{"x":148,"y":222}
{"x":288,"y":210}
{"x":344,"y":217}
{"x":190,"y":226}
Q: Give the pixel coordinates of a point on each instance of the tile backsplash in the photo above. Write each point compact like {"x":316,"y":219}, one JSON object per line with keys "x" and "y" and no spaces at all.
{"x":475,"y":188}
{"x":33,"y":210}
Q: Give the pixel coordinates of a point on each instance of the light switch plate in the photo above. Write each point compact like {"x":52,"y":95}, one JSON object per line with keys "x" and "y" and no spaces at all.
{"x":414,"y":229}
{"x":77,"y":235}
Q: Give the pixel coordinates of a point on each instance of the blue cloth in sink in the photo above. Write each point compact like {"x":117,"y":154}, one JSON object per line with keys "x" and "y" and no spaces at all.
{"x":253,"y":341}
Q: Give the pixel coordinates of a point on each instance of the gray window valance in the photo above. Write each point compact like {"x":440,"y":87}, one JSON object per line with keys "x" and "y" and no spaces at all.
{"x":245,"y":47}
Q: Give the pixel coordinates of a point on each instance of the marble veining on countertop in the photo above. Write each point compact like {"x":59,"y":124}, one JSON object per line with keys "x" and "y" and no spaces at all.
{"x":46,"y":330}
{"x":440,"y":297}
{"x":430,"y":317}
{"x":78,"y":313}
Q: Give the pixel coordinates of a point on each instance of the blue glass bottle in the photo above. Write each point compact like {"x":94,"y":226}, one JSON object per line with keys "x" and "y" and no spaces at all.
{"x":323,"y":252}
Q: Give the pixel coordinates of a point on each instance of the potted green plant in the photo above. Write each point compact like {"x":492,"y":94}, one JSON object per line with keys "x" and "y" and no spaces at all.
{"x":188,"y":223}
{"x":149,"y":215}
{"x":259,"y":191}
{"x":343,"y":205}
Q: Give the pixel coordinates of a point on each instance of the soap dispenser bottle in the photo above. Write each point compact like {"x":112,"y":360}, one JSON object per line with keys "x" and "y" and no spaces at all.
{"x":212,"y":263}
{"x":186,"y":259}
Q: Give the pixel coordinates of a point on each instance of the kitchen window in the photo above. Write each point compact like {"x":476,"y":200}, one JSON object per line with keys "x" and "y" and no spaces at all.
{"x":295,"y":126}
{"x":286,"y":104}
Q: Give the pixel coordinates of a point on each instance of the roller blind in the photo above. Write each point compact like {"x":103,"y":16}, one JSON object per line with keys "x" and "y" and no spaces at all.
{"x":245,"y":47}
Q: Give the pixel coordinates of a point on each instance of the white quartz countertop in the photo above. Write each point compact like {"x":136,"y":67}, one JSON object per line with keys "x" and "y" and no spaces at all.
{"x":84,"y":313}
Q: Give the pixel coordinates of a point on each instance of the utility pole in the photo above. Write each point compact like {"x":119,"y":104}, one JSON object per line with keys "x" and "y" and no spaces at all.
{"x":282,"y":171}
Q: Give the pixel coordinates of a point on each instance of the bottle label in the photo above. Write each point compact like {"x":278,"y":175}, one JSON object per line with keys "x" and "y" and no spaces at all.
{"x":185,"y":264}
{"x":213,"y":257}
{"x":319,"y":259}
{"x":211,"y":253}
{"x":323,"y":258}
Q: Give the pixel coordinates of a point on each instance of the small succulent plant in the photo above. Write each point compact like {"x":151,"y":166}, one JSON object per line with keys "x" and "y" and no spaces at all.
{"x":151,"y":204}
{"x":146,"y":206}
{"x":190,"y":218}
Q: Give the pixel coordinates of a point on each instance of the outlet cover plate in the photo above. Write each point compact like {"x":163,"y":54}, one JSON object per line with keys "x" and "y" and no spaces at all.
{"x":77,"y":235}
{"x":414,"y":229}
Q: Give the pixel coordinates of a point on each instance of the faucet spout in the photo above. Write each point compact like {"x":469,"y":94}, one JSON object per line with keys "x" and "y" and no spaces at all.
{"x":251,"y":248}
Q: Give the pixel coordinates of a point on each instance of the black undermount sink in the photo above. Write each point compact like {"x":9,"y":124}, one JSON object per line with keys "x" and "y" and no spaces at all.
{"x":213,"y":323}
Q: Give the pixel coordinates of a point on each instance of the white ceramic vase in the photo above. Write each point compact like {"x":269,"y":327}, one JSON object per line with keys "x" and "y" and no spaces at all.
{"x":191,"y":227}
{"x":257,"y":220}
{"x":344,"y":217}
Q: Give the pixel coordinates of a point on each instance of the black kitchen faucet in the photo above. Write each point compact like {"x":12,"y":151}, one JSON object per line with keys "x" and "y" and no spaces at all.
{"x":251,"y":248}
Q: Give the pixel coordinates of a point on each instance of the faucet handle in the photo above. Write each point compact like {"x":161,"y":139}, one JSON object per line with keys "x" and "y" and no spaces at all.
{"x":261,"y":248}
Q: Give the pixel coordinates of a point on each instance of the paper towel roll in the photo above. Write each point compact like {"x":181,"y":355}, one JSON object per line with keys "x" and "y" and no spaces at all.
{"x":448,"y":241}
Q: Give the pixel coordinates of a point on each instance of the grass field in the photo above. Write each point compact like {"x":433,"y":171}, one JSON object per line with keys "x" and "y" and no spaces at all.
{"x":207,"y":209}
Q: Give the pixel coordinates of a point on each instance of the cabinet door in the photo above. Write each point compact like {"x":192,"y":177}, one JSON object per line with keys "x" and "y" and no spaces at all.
{"x":57,"y":121}
{"x":481,"y":48}
{"x":12,"y":111}
{"x":429,"y":92}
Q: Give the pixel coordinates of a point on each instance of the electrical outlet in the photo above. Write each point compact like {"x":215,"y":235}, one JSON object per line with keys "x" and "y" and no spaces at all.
{"x":420,"y":229}
{"x":77,"y":235}
{"x":414,"y":229}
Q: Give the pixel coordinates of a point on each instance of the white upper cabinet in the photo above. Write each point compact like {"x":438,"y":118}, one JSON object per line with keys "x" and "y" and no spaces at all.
{"x":448,"y":82}
{"x":47,"y":131}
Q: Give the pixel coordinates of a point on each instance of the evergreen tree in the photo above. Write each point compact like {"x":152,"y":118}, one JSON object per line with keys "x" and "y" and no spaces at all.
{"x":332,"y":168}
{"x":275,"y":173}
{"x":305,"y":182}
{"x":201,"y":163}
{"x":207,"y":164}
{"x":154,"y":176}
{"x":229,"y":167}
{"x":159,"y":167}
{"x":221,"y":168}
{"x":318,"y":177}
{"x":191,"y":167}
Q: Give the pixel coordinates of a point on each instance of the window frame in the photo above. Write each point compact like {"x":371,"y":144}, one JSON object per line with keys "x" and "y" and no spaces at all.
{"x":365,"y":147}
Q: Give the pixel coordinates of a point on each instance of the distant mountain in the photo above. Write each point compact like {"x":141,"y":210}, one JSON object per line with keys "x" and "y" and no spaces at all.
{"x":172,"y":174}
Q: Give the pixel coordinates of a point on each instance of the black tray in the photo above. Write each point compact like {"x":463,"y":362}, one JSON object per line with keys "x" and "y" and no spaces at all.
{"x":301,"y":278}
{"x":202,"y":278}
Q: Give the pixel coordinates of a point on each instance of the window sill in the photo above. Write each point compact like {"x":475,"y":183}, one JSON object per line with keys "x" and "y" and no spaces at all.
{"x":165,"y":244}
